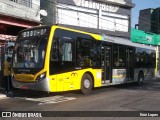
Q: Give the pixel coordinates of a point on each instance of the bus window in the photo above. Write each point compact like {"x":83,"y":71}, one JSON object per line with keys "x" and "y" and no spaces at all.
{"x":88,"y":53}
{"x":153,"y":59}
{"x":54,"y":52}
{"x":34,"y":47}
{"x":82,"y":52}
{"x":66,"y":51}
{"x":119,"y":58}
{"x":145,"y":58}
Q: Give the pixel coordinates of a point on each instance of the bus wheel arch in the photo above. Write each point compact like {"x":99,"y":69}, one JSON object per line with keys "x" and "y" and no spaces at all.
{"x":87,"y":83}
{"x":140,"y":77}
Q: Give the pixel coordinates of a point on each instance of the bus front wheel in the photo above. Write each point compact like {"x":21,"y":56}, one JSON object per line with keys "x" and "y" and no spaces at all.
{"x":86,"y":84}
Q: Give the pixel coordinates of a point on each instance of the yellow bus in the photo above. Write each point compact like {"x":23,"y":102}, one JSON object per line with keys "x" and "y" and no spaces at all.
{"x":56,"y":59}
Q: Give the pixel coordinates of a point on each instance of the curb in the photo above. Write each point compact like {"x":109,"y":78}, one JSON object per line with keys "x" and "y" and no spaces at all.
{"x":2,"y":96}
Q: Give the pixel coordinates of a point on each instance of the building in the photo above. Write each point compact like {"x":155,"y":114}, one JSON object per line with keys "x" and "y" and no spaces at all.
{"x":16,"y":15}
{"x":149,"y":20}
{"x":110,"y":17}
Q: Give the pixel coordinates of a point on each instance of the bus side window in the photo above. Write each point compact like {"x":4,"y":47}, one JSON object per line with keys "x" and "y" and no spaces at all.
{"x":62,"y":49}
{"x":54,"y":52}
{"x":119,"y":58}
{"x":65,"y":51}
{"x":88,"y":53}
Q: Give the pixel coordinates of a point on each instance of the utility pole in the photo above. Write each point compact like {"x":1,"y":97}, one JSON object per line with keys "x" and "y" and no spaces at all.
{"x":54,"y":11}
{"x":51,"y":7}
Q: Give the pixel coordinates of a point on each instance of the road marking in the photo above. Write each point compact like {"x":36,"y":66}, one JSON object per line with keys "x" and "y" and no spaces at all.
{"x":49,"y":100}
{"x":56,"y":100}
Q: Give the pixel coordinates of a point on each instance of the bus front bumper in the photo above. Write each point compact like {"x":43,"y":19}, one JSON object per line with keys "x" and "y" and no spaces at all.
{"x":42,"y":85}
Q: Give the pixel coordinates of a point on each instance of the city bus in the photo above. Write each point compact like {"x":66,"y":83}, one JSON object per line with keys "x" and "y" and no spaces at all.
{"x":56,"y":59}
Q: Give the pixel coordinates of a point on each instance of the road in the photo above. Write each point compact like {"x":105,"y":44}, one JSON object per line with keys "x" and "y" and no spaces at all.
{"x":127,"y":97}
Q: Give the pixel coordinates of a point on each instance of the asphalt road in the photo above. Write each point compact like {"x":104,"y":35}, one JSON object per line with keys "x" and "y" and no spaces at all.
{"x":125,"y":98}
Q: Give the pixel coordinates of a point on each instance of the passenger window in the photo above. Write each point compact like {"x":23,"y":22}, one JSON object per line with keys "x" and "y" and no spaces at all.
{"x":66,"y":51}
{"x":119,"y":58}
{"x":54,"y":52}
{"x":88,"y":53}
{"x":62,"y":50}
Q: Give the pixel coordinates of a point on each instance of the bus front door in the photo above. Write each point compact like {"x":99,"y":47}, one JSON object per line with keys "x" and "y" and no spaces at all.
{"x":106,"y":64}
{"x":130,"y":64}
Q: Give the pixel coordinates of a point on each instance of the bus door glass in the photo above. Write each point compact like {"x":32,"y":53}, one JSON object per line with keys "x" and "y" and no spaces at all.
{"x":130,"y":63}
{"x":106,"y":64}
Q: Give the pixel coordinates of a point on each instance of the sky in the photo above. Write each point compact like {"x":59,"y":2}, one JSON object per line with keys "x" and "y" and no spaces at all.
{"x":142,"y":4}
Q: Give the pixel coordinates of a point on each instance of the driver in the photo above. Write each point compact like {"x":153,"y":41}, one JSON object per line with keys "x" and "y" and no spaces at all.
{"x":29,"y":61}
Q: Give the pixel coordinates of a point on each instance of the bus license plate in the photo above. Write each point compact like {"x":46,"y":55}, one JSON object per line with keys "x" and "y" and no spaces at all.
{"x":24,"y":87}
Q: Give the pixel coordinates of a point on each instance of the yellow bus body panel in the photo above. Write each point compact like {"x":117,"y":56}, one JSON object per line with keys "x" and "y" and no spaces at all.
{"x":72,"y":80}
{"x":27,"y":77}
{"x":24,"y":78}
{"x":157,"y":59}
{"x":69,"y":80}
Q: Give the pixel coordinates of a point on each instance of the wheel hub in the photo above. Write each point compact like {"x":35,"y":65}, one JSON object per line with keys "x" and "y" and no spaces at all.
{"x":86,"y":83}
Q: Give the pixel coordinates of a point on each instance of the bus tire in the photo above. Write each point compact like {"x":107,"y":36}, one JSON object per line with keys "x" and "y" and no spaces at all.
{"x":86,"y":84}
{"x":140,"y":78}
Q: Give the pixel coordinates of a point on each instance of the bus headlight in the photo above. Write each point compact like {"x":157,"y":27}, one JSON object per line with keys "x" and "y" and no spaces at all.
{"x":41,"y":77}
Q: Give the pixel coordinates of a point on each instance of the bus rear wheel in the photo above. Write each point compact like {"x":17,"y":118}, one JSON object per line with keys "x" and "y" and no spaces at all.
{"x":86,"y":84}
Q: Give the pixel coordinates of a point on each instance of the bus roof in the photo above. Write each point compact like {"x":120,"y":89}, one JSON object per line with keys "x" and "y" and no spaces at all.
{"x":111,"y":39}
{"x":123,"y":41}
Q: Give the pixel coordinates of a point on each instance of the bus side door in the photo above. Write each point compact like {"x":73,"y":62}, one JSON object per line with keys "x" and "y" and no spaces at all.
{"x":130,"y":63}
{"x":106,"y":64}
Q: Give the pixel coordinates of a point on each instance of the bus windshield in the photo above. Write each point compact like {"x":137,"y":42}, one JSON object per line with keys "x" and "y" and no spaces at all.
{"x":30,"y":52}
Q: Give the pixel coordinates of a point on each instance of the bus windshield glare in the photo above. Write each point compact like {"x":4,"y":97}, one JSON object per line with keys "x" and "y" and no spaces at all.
{"x":30,"y":52}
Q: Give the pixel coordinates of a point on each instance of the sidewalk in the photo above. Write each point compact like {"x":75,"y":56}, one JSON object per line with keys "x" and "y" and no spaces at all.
{"x":2,"y":93}
{"x":16,"y":93}
{"x":23,"y":93}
